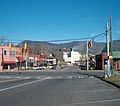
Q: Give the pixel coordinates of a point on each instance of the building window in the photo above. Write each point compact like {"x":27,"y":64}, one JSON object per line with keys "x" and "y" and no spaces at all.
{"x":69,"y":54}
{"x":10,"y":53}
{"x":13,"y":53}
{"x":5,"y":52}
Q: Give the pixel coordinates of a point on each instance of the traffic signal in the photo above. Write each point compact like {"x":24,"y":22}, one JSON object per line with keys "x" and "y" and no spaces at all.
{"x":90,"y":44}
{"x":25,"y":47}
{"x":10,"y":45}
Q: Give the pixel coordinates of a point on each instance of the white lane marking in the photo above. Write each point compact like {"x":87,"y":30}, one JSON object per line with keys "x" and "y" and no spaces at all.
{"x":26,"y":77}
{"x":103,"y":90}
{"x":91,"y":102}
{"x":38,"y":77}
{"x":17,"y":77}
{"x":48,"y":77}
{"x":59,"y":77}
{"x":81,"y":76}
{"x":69,"y":77}
{"x":22,"y":84}
{"x":7,"y":77}
{"x":89,"y":76}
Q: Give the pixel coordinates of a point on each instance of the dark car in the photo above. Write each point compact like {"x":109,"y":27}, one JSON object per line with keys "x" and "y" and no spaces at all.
{"x":53,"y":67}
{"x":83,"y":67}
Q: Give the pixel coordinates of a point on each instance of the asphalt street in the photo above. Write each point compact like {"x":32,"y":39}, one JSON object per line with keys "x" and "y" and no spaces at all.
{"x":67,"y":87}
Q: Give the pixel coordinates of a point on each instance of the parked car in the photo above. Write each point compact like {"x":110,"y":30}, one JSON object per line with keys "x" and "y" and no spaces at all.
{"x":83,"y":67}
{"x":50,"y":66}
{"x":42,"y":67}
{"x":53,"y":67}
{"x":36,"y":68}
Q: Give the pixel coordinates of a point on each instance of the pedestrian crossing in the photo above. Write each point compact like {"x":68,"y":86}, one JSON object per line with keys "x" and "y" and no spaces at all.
{"x":50,"y":77}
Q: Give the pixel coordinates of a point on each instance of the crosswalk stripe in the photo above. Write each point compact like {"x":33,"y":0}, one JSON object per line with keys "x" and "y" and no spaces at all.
{"x":8,"y":77}
{"x":17,"y":77}
{"x":39,"y":77}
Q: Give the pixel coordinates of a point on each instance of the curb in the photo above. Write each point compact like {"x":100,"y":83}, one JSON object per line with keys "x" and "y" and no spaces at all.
{"x":111,"y":83}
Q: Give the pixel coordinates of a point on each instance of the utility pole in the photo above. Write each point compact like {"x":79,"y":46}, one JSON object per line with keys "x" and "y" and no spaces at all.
{"x":107,"y":46}
{"x":87,"y":57}
{"x":26,"y":55}
{"x":2,"y":60}
{"x":21,"y":55}
{"x":111,"y":42}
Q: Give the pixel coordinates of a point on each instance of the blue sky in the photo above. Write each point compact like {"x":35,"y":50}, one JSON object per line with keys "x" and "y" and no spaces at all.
{"x":57,"y":19}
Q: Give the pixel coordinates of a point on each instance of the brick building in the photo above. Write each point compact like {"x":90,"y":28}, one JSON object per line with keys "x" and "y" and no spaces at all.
{"x":101,"y":57}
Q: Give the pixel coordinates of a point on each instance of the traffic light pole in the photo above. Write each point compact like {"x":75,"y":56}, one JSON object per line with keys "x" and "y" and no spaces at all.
{"x":87,"y":57}
{"x":21,"y":55}
{"x":2,"y":60}
{"x":108,"y":60}
{"x":26,"y":61}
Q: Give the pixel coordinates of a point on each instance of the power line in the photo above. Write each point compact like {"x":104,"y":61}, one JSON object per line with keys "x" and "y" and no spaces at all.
{"x":69,"y":39}
{"x":62,"y":40}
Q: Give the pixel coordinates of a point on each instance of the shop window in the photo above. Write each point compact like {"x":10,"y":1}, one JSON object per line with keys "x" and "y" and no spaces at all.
{"x":5,"y":52}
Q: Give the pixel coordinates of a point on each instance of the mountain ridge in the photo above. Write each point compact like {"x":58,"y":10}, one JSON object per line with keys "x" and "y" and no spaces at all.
{"x":37,"y":47}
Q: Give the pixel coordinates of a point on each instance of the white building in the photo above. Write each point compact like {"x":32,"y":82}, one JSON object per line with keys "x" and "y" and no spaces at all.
{"x":71,"y":57}
{"x":51,"y":60}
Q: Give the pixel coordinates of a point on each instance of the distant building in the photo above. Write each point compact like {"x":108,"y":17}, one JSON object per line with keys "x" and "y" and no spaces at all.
{"x":51,"y":60}
{"x":71,"y":57}
{"x":37,"y":60}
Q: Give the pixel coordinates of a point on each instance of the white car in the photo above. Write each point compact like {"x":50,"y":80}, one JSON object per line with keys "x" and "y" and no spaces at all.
{"x":36,"y":68}
{"x":49,"y":66}
{"x":44,"y":67}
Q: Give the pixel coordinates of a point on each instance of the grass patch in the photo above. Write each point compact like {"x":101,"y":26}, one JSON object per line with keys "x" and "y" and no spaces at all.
{"x":114,"y":79}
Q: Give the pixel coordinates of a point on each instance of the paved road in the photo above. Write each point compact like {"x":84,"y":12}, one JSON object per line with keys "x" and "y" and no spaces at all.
{"x":70,"y":87}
